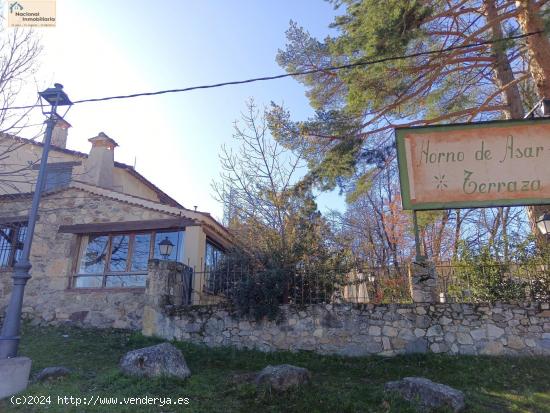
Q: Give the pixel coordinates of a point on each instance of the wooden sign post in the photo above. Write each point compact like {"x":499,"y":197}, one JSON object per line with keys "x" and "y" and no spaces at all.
{"x":486,"y":164}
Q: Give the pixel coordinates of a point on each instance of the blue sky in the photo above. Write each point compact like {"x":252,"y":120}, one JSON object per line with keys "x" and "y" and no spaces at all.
{"x":102,"y":48}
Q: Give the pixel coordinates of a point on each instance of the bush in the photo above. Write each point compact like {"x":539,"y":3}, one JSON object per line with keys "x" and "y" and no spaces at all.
{"x":487,"y":278}
{"x":260,"y":295}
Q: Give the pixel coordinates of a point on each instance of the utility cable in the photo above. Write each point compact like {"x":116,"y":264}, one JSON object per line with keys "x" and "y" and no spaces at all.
{"x":300,"y":73}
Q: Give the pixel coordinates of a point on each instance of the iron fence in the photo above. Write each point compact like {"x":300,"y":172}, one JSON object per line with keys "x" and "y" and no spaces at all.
{"x":456,"y":283}
{"x":301,"y":287}
{"x":462,"y":282}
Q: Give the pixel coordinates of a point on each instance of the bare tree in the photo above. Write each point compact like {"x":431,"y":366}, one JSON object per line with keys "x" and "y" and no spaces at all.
{"x":256,"y":182}
{"x":19,"y":52}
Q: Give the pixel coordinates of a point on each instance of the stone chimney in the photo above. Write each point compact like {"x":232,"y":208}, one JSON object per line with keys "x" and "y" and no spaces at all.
{"x":98,"y":168}
{"x":60,"y":133}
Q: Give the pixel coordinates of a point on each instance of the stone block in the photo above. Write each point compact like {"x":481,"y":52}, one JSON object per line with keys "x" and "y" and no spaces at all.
{"x":435,"y":330}
{"x":467,"y":350}
{"x":445,"y":321}
{"x":14,"y":375}
{"x":390,"y":331}
{"x":464,"y":338}
{"x":515,"y":342}
{"x":423,"y":321}
{"x":418,"y":332}
{"x":494,"y":332}
{"x":493,"y":348}
{"x":420,"y":345}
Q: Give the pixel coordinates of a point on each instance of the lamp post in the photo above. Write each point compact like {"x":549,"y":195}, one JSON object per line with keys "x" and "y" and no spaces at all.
{"x":9,"y":339}
{"x":165,"y":247}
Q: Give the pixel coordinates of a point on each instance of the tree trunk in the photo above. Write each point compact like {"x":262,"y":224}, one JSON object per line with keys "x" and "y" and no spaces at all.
{"x":458,"y":228}
{"x":438,"y":240}
{"x":503,"y":71}
{"x":538,"y":45}
{"x":504,"y":230}
{"x":538,"y":48}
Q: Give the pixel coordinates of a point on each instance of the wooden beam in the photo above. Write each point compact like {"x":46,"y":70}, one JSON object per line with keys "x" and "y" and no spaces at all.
{"x":13,"y":220}
{"x":107,"y":227}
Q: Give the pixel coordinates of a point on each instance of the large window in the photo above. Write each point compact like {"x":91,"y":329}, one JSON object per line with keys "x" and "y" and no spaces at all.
{"x":212,"y":259}
{"x":11,"y":243}
{"x":213,"y":256}
{"x":120,"y":260}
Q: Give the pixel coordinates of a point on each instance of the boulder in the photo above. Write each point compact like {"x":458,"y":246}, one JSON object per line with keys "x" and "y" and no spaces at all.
{"x":428,"y":394}
{"x":282,"y":377}
{"x":52,"y":373}
{"x":160,"y":360}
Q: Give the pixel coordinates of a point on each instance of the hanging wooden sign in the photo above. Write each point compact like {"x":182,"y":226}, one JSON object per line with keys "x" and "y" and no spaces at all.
{"x":498,"y":163}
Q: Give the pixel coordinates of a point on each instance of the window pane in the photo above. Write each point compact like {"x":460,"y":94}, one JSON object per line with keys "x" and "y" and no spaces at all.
{"x":88,"y":281}
{"x":119,"y":252}
{"x":176,"y":238}
{"x":213,"y":257}
{"x":118,"y":281}
{"x":12,"y":237}
{"x":57,"y":176}
{"x":6,"y":243}
{"x":19,"y":244}
{"x":140,"y":254}
{"x":95,"y":254}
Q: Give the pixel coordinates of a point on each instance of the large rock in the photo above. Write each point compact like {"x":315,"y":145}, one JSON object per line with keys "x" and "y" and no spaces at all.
{"x":160,"y":360}
{"x":282,"y":377}
{"x":52,"y":373}
{"x":428,"y":394}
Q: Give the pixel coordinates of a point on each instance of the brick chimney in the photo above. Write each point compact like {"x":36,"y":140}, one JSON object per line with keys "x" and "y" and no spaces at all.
{"x":98,"y":168}
{"x":60,"y":133}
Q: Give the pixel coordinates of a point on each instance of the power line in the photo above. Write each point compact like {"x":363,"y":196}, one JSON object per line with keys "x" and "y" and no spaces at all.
{"x":301,"y":73}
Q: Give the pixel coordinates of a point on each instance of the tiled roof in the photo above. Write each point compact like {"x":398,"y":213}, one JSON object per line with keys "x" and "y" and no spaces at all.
{"x":201,"y":217}
{"x":164,"y":198}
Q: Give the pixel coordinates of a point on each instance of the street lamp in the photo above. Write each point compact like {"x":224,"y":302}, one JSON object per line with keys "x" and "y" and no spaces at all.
{"x":55,"y":97}
{"x":165,"y":247}
{"x":543,"y":223}
{"x":9,"y":339}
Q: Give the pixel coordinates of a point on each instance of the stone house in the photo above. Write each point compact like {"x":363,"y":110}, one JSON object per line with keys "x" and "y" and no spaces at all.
{"x":100,"y":222}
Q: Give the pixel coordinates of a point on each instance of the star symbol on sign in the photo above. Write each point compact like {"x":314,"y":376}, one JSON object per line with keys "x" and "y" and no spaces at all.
{"x":441,"y":182}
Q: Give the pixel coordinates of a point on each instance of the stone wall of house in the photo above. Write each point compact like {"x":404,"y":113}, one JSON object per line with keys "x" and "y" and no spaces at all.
{"x":356,"y":330}
{"x":47,"y":296}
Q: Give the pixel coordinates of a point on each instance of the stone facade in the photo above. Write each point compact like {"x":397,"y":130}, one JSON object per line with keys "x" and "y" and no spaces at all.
{"x":165,"y":289}
{"x":358,"y":330}
{"x":48,"y":298}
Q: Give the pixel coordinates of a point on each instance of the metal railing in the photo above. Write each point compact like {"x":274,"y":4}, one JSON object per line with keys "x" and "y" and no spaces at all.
{"x":457,"y":282}
{"x":461,"y":282}
{"x":368,"y":285}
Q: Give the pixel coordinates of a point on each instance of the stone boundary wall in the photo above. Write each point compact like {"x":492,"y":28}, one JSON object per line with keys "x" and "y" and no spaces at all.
{"x":358,"y":330}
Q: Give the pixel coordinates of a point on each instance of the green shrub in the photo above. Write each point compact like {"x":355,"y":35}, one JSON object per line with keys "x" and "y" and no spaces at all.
{"x":260,"y":295}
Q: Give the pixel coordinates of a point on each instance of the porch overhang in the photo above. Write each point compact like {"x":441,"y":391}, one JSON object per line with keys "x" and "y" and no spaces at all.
{"x":107,"y":227}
